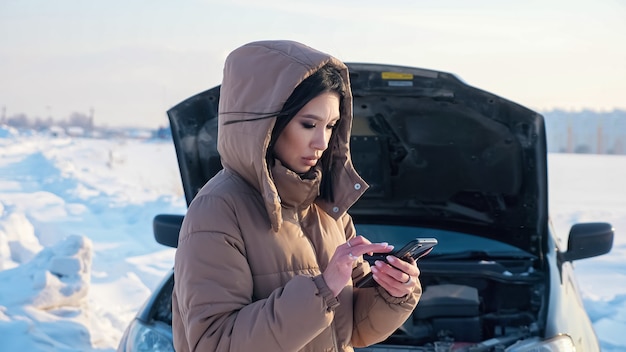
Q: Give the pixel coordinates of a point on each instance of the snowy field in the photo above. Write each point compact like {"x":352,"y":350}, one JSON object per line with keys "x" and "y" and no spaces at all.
{"x":77,"y":256}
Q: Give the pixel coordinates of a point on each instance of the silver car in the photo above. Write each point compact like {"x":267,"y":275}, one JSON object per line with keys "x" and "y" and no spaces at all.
{"x":444,"y":160}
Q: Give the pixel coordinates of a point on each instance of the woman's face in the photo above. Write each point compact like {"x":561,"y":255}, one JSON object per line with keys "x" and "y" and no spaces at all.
{"x":305,"y":138}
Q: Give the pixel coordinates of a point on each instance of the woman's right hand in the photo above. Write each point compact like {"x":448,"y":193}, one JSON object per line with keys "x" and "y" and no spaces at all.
{"x":339,"y":269}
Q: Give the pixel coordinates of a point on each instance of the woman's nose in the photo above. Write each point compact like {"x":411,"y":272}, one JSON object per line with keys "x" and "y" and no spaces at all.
{"x":320,"y":140}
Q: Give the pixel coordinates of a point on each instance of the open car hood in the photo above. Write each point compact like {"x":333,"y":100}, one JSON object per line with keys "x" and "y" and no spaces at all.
{"x":435,"y":151}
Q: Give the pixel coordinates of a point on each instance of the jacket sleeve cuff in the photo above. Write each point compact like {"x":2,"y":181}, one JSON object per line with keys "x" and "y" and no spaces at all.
{"x":322,"y":290}
{"x":415,"y":295}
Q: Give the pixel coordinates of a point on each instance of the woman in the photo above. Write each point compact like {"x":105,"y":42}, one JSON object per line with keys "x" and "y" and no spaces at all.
{"x":267,"y":253}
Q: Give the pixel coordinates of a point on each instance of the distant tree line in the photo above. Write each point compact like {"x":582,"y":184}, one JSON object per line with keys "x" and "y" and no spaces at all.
{"x":584,"y":131}
{"x":79,"y":125}
{"x":22,"y":121}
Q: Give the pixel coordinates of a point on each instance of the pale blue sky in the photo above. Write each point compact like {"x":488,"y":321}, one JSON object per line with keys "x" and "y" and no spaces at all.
{"x":132,"y":60}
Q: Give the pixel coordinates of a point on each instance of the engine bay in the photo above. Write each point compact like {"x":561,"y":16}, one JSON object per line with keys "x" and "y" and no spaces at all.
{"x":470,"y":310}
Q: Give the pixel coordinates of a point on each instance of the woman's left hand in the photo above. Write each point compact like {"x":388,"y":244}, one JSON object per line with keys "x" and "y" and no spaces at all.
{"x":399,"y":278}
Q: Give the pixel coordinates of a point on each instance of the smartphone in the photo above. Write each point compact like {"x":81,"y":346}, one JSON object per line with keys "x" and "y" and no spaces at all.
{"x":414,"y":249}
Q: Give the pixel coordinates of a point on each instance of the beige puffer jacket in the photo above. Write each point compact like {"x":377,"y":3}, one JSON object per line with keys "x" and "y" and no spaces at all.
{"x":254,"y":243}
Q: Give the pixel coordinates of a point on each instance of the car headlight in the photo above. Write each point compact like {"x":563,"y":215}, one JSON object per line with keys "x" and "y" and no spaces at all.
{"x":153,"y":337}
{"x":561,"y":343}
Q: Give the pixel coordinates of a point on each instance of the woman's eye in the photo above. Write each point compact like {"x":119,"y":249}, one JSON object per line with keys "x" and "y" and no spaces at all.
{"x":331,"y":127}
{"x":308,"y":126}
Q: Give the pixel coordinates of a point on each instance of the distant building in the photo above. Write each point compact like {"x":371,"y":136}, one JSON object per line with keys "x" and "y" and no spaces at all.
{"x":57,"y":131}
{"x":75,"y":131}
{"x":586,"y":132}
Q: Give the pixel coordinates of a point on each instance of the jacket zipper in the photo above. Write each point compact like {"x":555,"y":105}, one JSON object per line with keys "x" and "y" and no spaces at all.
{"x":332,"y":325}
{"x":297,"y":212}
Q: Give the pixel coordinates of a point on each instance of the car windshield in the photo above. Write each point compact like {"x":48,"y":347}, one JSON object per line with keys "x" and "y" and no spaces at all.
{"x":450,"y":243}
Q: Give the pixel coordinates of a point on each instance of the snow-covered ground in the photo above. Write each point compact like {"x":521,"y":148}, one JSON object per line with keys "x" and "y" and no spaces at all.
{"x":77,"y":256}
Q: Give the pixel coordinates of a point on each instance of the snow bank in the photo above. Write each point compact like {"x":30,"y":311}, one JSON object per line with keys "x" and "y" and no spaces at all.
{"x":43,"y":300}
{"x":18,"y":243}
{"x":57,"y":276}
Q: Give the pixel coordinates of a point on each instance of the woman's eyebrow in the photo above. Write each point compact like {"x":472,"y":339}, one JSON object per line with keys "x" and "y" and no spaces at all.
{"x":319,"y":118}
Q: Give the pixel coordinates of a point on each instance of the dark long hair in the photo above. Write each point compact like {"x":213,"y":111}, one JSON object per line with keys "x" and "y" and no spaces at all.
{"x":326,"y":79}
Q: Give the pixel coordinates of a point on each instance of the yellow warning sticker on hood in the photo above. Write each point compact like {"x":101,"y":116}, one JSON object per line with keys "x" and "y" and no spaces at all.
{"x":396,"y":75}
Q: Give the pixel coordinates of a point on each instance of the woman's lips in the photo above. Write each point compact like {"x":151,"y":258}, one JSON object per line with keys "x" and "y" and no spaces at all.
{"x":310,"y":161}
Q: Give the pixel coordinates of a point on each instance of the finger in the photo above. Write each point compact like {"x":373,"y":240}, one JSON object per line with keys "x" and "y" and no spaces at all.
{"x":352,"y":256}
{"x":395,"y":273}
{"x":370,"y":248}
{"x":358,"y":240}
{"x":407,"y":267}
{"x":402,"y":273}
{"x":361,"y":240}
{"x":391,"y":285}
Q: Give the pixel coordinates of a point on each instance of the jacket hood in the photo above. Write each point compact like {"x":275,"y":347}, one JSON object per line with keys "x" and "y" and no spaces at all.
{"x":258,"y":79}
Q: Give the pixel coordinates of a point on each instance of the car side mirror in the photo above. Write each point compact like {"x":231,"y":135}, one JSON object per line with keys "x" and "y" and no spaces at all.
{"x":588,"y":240}
{"x":166,"y":228}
